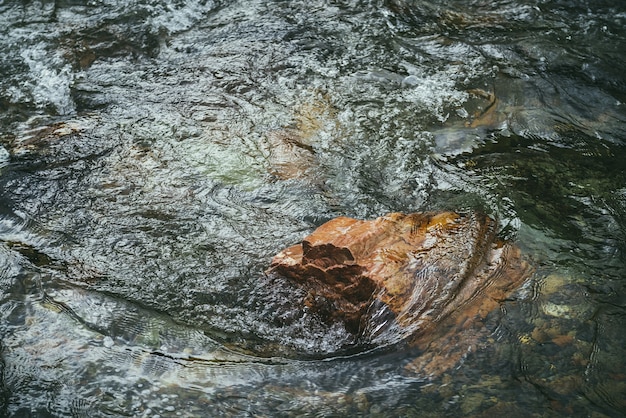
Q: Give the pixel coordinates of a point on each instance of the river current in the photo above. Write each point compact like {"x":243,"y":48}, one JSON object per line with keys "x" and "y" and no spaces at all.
{"x":155,"y":155}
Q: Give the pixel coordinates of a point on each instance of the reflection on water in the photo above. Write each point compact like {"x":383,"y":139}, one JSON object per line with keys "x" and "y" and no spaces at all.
{"x":155,"y":155}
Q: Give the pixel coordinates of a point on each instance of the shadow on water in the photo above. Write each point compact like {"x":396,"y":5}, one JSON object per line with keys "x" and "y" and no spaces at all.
{"x":155,"y":155}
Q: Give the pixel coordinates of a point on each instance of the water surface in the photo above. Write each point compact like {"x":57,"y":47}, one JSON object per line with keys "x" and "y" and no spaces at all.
{"x":156,"y":154}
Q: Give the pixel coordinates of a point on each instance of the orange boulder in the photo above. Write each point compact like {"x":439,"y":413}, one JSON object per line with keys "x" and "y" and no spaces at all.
{"x":400,"y":276}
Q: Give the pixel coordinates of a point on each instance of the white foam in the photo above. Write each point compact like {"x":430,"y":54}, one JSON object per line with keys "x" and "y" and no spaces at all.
{"x":180,"y":19}
{"x":51,"y":79}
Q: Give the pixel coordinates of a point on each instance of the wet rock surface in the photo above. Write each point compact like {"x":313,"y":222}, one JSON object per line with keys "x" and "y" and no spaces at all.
{"x":402,"y":276}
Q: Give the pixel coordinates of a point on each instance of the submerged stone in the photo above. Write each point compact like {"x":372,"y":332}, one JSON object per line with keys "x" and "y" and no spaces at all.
{"x":404,"y":276}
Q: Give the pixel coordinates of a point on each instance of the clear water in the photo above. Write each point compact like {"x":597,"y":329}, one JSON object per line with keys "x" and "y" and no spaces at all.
{"x":156,"y":154}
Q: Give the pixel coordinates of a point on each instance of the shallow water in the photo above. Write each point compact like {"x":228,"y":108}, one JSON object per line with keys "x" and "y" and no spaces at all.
{"x":156,"y":154}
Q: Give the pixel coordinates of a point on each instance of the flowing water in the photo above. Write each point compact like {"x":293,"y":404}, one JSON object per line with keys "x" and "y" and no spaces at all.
{"x":155,"y":154}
